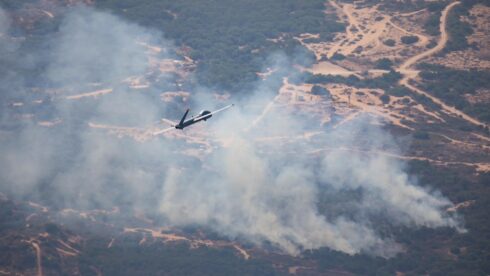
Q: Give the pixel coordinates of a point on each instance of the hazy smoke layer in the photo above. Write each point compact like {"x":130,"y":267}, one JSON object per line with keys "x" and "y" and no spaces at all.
{"x":266,"y":192}
{"x":90,"y":43}
{"x":259,"y":183}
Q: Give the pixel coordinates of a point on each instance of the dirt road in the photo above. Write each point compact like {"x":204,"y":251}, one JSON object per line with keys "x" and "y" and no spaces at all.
{"x":356,"y":35}
{"x":407,"y":73}
{"x":440,"y":44}
{"x":90,"y":94}
{"x":38,"y":257}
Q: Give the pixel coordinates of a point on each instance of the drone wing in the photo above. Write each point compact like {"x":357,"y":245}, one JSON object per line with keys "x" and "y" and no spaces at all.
{"x":162,"y":131}
{"x":214,"y":112}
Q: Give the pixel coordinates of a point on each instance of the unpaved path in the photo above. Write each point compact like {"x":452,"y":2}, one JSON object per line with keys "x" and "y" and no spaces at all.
{"x":159,"y":234}
{"x":422,"y":38}
{"x":49,"y":14}
{"x":90,"y":94}
{"x":38,"y":257}
{"x":444,"y":106}
{"x":156,"y":233}
{"x":481,"y":137}
{"x":43,"y":209}
{"x":405,"y":70}
{"x":410,"y":13}
{"x":71,"y":251}
{"x":111,"y":243}
{"x":440,"y":45}
{"x":352,"y":23}
{"x":242,"y":251}
{"x":356,"y":35}
{"x":479,"y":167}
{"x":455,"y":141}
{"x":328,"y":68}
{"x":464,"y":204}
{"x":360,"y":34}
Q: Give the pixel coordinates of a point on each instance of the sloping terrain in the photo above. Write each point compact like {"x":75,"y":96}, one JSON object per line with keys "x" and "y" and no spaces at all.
{"x":310,"y":80}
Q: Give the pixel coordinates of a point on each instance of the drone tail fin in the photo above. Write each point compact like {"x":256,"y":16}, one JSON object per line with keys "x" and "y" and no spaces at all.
{"x":183,"y":118}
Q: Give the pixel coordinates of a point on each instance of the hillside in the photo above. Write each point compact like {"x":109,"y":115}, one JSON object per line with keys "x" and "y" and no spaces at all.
{"x":358,"y":145}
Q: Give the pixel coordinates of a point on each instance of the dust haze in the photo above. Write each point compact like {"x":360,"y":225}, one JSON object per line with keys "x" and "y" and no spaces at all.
{"x":257,"y":183}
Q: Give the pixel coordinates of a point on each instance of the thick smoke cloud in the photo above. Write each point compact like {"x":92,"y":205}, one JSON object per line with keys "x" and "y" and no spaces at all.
{"x":4,"y":23}
{"x":7,"y":54}
{"x":257,"y":182}
{"x":271,"y":192}
{"x":89,"y":43}
{"x":71,"y":162}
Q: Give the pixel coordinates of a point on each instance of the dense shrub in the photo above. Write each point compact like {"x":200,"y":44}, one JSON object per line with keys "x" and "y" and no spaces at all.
{"x":228,"y":43}
{"x":389,"y":42}
{"x":409,"y":39}
{"x":385,"y":98}
{"x":451,"y":85}
{"x":384,"y":64}
{"x":318,"y":90}
{"x":338,"y":56}
{"x":421,"y":135}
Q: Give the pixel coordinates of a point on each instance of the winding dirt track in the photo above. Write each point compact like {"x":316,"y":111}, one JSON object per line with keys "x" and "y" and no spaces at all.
{"x":38,"y":258}
{"x":405,"y":70}
{"x":440,"y":45}
{"x":422,"y":38}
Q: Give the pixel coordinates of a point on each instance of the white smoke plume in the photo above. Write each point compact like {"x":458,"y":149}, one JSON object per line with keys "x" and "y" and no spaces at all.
{"x":258,"y":183}
{"x":4,"y":23}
